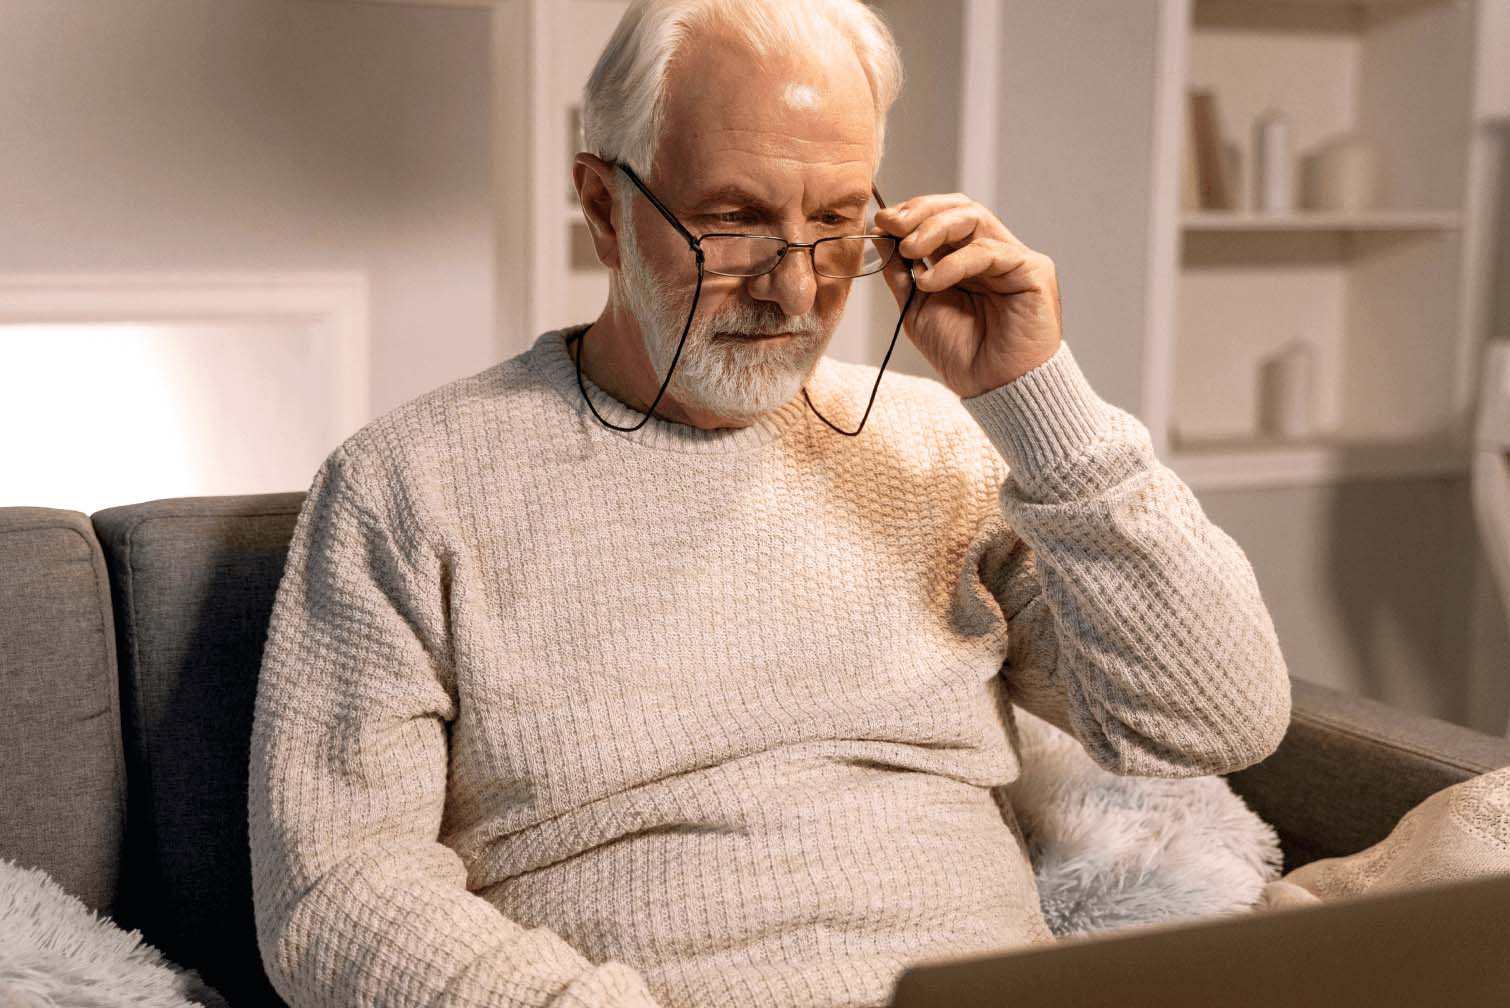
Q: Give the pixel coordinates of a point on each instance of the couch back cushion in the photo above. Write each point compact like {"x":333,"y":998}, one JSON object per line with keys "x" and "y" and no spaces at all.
{"x":194,"y":580}
{"x":62,"y":779}
{"x":1350,"y":768}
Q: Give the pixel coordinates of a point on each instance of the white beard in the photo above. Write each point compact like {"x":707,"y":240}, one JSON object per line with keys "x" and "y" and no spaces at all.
{"x":718,"y":371}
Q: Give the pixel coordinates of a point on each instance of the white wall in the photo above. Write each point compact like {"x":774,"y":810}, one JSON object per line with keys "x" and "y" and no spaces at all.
{"x":1072,"y":172}
{"x":1074,"y":169}
{"x":190,"y":399}
{"x":283,"y":135}
{"x":1379,"y":588}
{"x":922,"y":147}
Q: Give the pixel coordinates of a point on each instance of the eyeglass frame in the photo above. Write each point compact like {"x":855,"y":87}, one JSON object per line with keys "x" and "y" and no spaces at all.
{"x":786,"y":246}
{"x":695,"y":244}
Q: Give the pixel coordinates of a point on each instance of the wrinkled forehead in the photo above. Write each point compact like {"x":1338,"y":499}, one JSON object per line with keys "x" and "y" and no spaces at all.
{"x":731,"y":112}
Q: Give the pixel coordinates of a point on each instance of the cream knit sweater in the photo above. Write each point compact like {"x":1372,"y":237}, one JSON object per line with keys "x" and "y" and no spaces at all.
{"x":555,"y":715}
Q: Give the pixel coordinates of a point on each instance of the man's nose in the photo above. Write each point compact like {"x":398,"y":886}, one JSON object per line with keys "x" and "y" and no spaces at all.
{"x":792,"y":284}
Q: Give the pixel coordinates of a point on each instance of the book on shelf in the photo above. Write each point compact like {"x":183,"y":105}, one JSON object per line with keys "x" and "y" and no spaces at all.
{"x":1190,"y":176}
{"x":1211,"y":166}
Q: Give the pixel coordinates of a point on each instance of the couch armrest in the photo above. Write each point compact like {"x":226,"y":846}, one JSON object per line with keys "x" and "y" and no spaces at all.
{"x":1350,"y":767}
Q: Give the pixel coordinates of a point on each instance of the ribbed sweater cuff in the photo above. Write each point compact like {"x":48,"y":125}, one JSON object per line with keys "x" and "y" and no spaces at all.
{"x":1043,"y":417}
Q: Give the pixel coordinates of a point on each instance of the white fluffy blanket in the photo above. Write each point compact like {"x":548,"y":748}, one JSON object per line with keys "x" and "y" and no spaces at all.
{"x":55,"y":952}
{"x":1111,"y":852}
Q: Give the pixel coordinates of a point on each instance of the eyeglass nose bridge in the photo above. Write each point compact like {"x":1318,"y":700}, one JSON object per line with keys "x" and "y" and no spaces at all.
{"x":787,"y":246}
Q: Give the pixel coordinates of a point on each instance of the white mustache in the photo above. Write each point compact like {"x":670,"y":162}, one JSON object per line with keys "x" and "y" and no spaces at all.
{"x":738,"y":327}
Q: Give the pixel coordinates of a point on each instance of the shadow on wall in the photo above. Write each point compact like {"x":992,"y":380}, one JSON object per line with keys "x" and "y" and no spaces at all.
{"x":1414,"y":597}
{"x":1409,"y":570}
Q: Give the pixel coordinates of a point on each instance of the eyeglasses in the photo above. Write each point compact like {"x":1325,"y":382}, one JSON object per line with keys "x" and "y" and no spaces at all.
{"x":741,"y":255}
{"x":841,"y":257}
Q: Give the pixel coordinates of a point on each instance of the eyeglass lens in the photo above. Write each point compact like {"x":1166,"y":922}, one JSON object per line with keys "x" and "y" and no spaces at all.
{"x":752,"y":255}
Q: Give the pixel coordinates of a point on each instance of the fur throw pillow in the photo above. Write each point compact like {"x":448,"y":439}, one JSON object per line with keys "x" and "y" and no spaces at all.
{"x":1112,"y":852}
{"x":55,"y":951}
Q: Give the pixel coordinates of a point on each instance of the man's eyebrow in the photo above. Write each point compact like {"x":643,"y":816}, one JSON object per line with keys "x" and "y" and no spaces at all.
{"x":855,"y":200}
{"x":734,"y":195}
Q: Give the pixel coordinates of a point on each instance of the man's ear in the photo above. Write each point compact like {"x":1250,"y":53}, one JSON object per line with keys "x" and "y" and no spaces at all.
{"x":593,"y":178}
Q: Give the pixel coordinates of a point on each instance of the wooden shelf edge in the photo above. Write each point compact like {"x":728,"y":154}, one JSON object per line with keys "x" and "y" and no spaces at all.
{"x":1308,"y":464}
{"x":1319,"y":220}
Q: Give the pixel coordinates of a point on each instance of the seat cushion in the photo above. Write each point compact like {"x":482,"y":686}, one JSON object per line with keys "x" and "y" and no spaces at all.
{"x":194,"y":580}
{"x":62,"y":779}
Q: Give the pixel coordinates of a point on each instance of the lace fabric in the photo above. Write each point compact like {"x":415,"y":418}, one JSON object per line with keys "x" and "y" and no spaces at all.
{"x":1461,"y":832}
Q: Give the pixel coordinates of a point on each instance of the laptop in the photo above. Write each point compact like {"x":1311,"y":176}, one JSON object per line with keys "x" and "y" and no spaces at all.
{"x":1446,"y":945}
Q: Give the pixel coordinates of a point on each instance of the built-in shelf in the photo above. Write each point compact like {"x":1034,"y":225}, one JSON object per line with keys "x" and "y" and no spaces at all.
{"x":1230,"y":462}
{"x":1319,"y":220}
{"x":1360,"y":319}
{"x":1346,"y":3}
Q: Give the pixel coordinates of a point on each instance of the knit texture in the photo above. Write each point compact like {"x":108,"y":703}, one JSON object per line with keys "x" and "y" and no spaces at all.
{"x":555,"y":715}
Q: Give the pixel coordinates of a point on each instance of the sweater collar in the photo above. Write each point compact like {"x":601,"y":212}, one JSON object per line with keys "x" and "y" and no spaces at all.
{"x":552,"y":361}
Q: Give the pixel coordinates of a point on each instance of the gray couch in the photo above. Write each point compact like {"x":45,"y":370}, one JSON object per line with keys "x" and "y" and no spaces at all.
{"x":129,"y":649}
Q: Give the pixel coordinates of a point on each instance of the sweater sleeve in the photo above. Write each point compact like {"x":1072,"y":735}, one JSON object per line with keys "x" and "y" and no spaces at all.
{"x":357,"y":901}
{"x":1134,"y":622}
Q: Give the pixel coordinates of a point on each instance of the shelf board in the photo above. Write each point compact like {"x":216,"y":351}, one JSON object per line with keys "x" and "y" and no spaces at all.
{"x":1343,"y":3}
{"x":1230,"y":462}
{"x":1387,"y":5}
{"x":1322,"y":220}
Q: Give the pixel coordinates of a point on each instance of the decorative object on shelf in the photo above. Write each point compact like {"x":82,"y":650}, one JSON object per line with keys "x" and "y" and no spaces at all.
{"x":1212,"y":161}
{"x":1343,"y":173}
{"x":1232,"y":155}
{"x":1285,"y":392}
{"x":1273,"y":190}
{"x":1190,"y":175}
{"x":54,"y":950}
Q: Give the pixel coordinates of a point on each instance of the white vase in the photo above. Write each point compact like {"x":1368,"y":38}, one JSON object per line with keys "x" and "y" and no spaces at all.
{"x":1345,"y":174}
{"x":1286,"y":392}
{"x":1274,"y":187}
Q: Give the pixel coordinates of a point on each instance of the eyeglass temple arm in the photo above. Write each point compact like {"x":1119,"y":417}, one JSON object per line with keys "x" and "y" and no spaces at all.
{"x":670,"y":217}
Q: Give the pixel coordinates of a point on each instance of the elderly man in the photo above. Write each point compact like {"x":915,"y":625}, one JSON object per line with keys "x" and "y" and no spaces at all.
{"x":617,"y":675}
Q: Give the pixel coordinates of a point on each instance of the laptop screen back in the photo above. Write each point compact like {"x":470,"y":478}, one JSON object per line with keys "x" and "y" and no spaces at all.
{"x":1444,"y":945}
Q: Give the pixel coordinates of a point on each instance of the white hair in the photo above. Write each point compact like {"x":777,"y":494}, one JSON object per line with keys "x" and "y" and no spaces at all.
{"x":623,"y":104}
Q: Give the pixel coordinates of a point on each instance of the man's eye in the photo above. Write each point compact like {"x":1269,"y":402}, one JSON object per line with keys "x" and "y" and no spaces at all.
{"x":834,"y":220}
{"x":734,"y":217}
